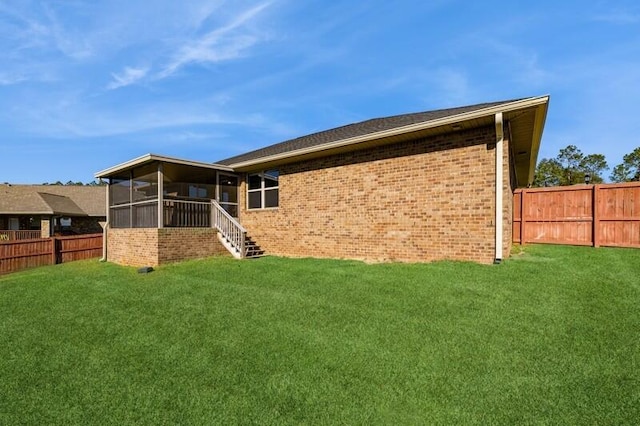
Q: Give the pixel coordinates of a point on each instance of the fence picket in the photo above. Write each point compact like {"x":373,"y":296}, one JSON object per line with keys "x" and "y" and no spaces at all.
{"x":22,"y":254}
{"x":598,"y":215}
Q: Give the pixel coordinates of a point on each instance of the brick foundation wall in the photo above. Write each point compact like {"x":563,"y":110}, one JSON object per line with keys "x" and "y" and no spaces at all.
{"x":421,"y":200}
{"x":133,"y":247}
{"x":152,"y":246}
{"x":188,"y":243}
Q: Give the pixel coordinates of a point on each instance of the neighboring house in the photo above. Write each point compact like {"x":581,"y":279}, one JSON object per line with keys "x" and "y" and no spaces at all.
{"x":413,"y":187}
{"x":46,"y":210}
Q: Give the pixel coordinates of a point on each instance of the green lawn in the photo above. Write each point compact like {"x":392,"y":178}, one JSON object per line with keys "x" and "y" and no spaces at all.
{"x":551,"y":336}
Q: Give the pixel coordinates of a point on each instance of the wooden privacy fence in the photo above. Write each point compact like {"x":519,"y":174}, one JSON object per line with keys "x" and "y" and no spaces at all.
{"x":6,"y":235}
{"x":596,"y":215}
{"x":22,"y":254}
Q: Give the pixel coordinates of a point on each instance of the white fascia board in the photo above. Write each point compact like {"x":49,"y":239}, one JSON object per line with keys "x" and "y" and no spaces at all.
{"x":147,"y":158}
{"x":484,"y":112}
{"x":538,"y":129}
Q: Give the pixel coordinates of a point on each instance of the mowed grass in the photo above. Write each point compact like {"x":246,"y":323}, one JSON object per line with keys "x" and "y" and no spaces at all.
{"x":551,"y":336}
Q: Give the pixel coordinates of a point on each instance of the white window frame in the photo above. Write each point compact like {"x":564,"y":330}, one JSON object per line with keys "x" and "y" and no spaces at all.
{"x":263,"y":189}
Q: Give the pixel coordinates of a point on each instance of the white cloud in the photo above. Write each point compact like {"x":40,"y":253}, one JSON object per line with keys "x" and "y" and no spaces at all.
{"x":127,"y":77}
{"x":218,"y":45}
{"x":439,"y":87}
{"x":452,"y":84}
{"x":20,"y":31}
{"x":72,"y":117}
{"x":198,"y":13}
{"x":524,"y":63}
{"x":73,"y":45}
{"x":11,"y":79}
{"x":181,"y":137}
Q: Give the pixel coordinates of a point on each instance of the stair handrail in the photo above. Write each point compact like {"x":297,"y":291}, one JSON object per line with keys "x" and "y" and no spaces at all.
{"x":229,"y":227}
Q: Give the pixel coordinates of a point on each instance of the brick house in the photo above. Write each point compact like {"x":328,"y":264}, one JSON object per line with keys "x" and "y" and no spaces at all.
{"x":40,"y":211}
{"x":414,"y":187}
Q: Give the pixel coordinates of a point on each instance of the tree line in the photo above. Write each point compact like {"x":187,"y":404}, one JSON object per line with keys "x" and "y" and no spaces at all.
{"x":571,"y":166}
{"x":72,"y":183}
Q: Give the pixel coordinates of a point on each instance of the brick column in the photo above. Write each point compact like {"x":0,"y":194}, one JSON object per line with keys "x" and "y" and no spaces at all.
{"x":45,"y":227}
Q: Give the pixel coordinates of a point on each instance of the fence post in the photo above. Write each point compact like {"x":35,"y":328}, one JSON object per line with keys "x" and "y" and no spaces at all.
{"x":522,"y":220}
{"x":595,"y":200}
{"x":54,"y":251}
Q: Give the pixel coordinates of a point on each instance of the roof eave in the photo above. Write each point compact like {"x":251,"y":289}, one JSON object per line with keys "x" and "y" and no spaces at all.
{"x":484,"y":112}
{"x":25,"y":212}
{"x":147,"y":158}
{"x":536,"y":139}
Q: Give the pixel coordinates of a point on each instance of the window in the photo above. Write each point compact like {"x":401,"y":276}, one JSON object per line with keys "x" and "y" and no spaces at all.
{"x":262,"y":190}
{"x":196,"y":191}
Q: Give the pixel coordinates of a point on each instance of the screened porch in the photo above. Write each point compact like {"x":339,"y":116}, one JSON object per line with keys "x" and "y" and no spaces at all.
{"x":160,"y":192}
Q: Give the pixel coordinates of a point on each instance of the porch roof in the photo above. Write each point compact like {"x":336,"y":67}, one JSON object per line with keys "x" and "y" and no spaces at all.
{"x":150,"y":158}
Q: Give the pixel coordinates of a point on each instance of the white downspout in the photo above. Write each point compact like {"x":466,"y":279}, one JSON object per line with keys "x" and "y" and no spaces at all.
{"x":105,"y":232}
{"x":105,"y":227}
{"x":499,"y":191}
{"x":160,"y":195}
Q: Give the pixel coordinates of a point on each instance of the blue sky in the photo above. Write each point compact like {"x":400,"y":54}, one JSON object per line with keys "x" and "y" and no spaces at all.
{"x":85,"y":85}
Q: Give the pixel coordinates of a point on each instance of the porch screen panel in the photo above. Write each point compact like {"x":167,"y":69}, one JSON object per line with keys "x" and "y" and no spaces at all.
{"x":145,"y":183}
{"x":134,"y":198}
{"x":186,"y":197}
{"x":145,"y":215}
{"x":120,"y":190}
{"x":120,"y":217}
{"x":188,"y":192}
{"x":119,"y":200}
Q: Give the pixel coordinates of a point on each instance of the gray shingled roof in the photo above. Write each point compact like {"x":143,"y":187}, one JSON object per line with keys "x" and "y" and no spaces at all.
{"x":53,"y":199}
{"x":355,"y":130}
{"x":60,"y":204}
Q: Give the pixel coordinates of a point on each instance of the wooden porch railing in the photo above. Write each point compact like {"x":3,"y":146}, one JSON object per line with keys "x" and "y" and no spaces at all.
{"x":176,"y":212}
{"x":6,"y":235}
{"x":229,"y":227}
{"x":187,"y":213}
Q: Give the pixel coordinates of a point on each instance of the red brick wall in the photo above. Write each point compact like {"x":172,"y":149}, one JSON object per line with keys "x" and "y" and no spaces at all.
{"x":151,"y":246}
{"x":420,"y":200}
